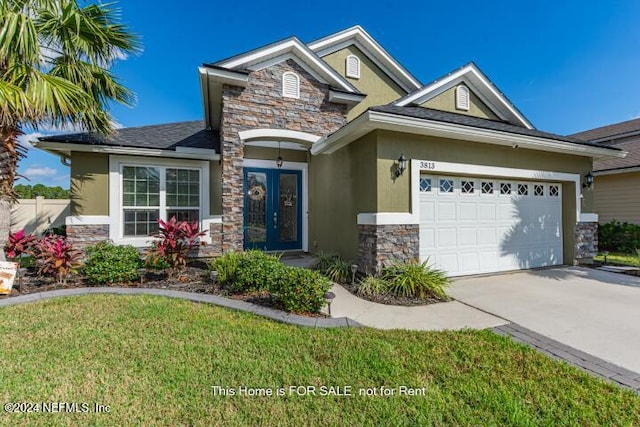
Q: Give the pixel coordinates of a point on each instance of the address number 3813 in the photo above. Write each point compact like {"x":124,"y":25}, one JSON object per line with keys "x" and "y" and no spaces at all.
{"x":428,"y":165}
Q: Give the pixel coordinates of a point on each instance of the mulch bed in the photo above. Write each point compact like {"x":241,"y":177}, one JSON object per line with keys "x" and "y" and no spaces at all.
{"x":392,"y":299}
{"x":194,"y":278}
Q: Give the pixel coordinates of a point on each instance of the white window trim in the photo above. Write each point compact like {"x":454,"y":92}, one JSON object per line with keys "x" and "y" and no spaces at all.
{"x":348,"y":72}
{"x":269,"y":164}
{"x":116,"y":163}
{"x":297,"y":77}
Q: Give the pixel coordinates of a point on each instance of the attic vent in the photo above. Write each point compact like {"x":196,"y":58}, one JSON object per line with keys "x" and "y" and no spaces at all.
{"x":353,"y":67}
{"x":462,"y":98}
{"x":290,"y":85}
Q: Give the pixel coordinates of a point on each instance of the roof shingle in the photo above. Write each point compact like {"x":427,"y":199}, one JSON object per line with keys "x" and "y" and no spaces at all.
{"x":167,"y":136}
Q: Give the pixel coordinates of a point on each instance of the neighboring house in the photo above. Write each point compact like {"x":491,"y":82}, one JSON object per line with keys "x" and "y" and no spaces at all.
{"x":334,"y":146}
{"x":617,"y":180}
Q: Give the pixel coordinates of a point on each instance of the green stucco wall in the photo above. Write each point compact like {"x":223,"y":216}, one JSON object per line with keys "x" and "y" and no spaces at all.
{"x":446,"y":101}
{"x":89,"y":184}
{"x":373,"y":82}
{"x":341,"y":185}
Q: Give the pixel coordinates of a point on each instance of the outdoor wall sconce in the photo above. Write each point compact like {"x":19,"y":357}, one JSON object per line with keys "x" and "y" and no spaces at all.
{"x":588,"y":180}
{"x":402,"y":165}
{"x":328,"y":298}
{"x":279,"y":160}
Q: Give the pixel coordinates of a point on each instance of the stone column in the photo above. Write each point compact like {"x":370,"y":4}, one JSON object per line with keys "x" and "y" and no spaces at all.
{"x":381,"y":245}
{"x":586,"y":242}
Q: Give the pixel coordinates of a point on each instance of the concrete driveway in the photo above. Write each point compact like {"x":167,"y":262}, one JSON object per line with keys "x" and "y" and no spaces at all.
{"x":594,"y":311}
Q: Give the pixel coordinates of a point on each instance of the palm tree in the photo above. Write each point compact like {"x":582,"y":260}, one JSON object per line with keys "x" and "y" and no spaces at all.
{"x":55,"y":57}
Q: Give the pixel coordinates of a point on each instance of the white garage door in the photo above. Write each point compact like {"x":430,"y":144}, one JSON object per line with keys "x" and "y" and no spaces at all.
{"x":471,"y":225}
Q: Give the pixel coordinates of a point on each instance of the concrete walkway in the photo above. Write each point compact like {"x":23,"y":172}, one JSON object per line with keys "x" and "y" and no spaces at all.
{"x":432,"y":317}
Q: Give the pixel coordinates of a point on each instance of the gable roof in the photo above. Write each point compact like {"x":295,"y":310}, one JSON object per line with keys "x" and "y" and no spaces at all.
{"x":289,"y":48}
{"x":357,"y":36}
{"x":168,"y":136}
{"x":481,"y":86}
{"x":610,"y":132}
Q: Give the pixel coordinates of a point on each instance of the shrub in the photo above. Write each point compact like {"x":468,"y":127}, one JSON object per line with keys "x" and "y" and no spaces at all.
{"x":18,"y":244}
{"x":417,"y":280}
{"x":256,"y":271}
{"x":372,"y":287}
{"x":299,"y":290}
{"x":176,"y":240}
{"x":618,"y":236}
{"x":56,"y":257}
{"x":334,"y":267}
{"x":108,"y":263}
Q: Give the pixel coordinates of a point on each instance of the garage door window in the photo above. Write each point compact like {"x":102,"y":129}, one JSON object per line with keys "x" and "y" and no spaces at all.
{"x":425,"y":185}
{"x":523,"y":189}
{"x":446,"y":186}
{"x":487,"y":188}
{"x":554,"y":191}
{"x":505,"y":188}
{"x":467,"y":187}
{"x":538,"y":190}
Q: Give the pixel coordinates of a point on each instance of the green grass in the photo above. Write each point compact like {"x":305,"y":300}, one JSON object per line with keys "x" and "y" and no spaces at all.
{"x":620,"y":258}
{"x":154,"y":360}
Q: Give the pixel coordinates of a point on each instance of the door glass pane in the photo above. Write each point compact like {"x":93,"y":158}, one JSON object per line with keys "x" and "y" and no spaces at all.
{"x":288,"y":204}
{"x":256,"y":207}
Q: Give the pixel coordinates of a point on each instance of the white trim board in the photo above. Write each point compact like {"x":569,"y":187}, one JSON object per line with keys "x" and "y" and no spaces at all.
{"x":372,"y":120}
{"x":115,"y":194}
{"x":357,"y":36}
{"x":269,"y":164}
{"x":479,"y":84}
{"x":183,"y":153}
{"x":435,"y":167}
{"x":278,"y":135}
{"x":617,"y":171}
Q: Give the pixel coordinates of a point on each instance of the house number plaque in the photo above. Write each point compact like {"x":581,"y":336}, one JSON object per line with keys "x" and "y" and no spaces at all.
{"x":427,"y":165}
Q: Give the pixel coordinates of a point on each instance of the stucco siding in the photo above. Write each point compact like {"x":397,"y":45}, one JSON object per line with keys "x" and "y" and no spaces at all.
{"x":446,"y":101}
{"x":373,"y":82}
{"x":616,"y":197}
{"x":89,"y":184}
{"x":268,"y":153}
{"x":341,"y":185}
{"x":215,"y":188}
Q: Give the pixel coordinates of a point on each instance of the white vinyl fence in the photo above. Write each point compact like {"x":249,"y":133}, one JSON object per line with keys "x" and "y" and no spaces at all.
{"x":37,"y":215}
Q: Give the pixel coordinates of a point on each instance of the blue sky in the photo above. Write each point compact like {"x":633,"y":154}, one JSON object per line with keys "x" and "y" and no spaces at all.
{"x":567,"y":65}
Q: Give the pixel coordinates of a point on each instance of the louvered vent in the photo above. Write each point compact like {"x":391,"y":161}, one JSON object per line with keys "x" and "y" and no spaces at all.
{"x":290,"y":85}
{"x":462,"y":98}
{"x":353,"y":67}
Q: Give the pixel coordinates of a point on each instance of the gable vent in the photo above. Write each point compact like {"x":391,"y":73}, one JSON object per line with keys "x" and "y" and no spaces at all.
{"x":290,"y":85}
{"x":462,"y":98}
{"x":353,"y":67}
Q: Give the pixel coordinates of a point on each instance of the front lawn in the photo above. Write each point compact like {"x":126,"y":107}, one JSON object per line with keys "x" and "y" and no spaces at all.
{"x":619,"y":258}
{"x":154,"y":361}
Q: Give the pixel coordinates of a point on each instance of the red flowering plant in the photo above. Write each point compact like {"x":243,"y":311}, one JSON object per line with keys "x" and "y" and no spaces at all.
{"x":176,"y":239}
{"x":19,"y":244}
{"x":57,"y":257}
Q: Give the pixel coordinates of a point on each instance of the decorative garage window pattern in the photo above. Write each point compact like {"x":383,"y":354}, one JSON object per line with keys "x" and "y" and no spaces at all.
{"x":487,"y":187}
{"x":446,"y":185}
{"x":150,"y":193}
{"x":554,"y":191}
{"x":523,"y":190}
{"x":425,"y":185}
{"x":505,"y":188}
{"x":467,"y":187}
{"x":538,"y":190}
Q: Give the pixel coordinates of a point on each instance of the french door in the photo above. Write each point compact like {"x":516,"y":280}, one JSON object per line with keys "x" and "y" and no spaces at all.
{"x":272,"y":209}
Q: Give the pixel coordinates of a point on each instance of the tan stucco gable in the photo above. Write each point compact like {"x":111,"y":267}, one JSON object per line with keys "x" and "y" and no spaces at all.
{"x":446,"y":101}
{"x":373,"y":82}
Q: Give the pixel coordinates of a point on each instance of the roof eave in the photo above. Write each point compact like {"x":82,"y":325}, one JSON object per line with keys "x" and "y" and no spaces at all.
{"x":66,"y":148}
{"x":373,"y":120}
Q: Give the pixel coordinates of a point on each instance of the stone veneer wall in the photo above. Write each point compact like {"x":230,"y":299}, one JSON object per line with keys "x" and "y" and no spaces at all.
{"x":380,"y":245}
{"x":82,"y":236}
{"x":260,"y":105}
{"x":586,"y":242}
